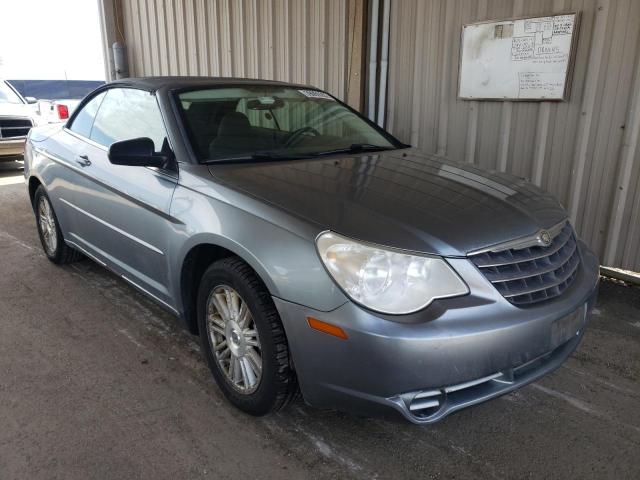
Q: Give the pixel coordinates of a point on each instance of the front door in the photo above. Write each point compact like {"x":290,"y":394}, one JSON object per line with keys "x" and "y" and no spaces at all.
{"x":123,"y":211}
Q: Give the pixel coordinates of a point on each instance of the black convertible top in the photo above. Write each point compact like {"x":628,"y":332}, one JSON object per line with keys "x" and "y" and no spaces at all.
{"x":153,"y":84}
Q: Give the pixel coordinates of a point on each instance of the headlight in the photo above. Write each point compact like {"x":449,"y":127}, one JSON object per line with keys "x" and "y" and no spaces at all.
{"x":385,"y":280}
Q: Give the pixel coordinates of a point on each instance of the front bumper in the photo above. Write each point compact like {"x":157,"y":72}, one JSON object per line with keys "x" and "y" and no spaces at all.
{"x":11,"y":149}
{"x":455,"y":353}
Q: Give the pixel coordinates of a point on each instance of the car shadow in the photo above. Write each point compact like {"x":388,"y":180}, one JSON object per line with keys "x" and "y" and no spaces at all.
{"x":11,"y":167}
{"x":11,"y":173}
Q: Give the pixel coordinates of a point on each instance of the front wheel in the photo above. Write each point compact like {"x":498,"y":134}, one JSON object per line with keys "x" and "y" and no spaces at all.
{"x":49,"y":231}
{"x":243,"y":338}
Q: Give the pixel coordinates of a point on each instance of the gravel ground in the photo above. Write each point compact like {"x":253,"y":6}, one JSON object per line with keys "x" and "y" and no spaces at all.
{"x":96,"y":382}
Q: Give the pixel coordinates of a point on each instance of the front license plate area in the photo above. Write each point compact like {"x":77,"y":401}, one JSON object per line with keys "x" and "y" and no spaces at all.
{"x":563,"y":329}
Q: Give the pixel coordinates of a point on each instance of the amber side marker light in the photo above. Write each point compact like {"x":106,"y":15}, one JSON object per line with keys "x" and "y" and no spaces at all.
{"x":327,"y":328}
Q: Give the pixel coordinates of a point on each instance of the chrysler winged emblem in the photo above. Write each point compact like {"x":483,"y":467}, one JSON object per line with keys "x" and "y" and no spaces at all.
{"x":544,"y":238}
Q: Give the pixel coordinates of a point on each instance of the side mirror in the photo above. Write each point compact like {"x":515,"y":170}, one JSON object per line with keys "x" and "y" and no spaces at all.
{"x":31,"y":100}
{"x":138,"y":152}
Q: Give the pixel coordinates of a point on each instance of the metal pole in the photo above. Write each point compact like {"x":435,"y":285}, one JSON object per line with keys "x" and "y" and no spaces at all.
{"x":120,"y":60}
{"x":373,"y":61}
{"x":384,"y":62}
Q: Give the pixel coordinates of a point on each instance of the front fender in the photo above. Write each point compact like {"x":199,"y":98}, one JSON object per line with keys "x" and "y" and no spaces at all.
{"x":286,"y":262}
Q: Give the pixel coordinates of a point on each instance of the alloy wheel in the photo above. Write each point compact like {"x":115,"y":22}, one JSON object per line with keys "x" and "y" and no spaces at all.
{"x":47,"y":226}
{"x":234,"y":339}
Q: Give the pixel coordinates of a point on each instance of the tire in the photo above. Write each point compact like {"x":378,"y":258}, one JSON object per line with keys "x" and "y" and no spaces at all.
{"x":53,"y":244}
{"x":277,"y":384}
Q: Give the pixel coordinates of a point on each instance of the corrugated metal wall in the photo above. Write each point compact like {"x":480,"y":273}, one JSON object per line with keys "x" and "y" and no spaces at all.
{"x":585,"y":151}
{"x":291,"y":40}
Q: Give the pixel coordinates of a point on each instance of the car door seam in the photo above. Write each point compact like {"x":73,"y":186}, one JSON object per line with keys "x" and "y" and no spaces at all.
{"x":113,"y":227}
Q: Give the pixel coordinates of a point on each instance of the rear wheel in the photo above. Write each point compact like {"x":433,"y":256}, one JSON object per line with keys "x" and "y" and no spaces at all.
{"x":243,"y":338}
{"x":51,"y":238}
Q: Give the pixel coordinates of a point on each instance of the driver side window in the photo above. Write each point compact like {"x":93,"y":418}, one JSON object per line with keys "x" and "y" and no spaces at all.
{"x":83,"y":121}
{"x":127,"y":113}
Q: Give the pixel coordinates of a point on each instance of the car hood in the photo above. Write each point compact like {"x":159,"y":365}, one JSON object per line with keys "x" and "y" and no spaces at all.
{"x":401,"y":199}
{"x":17,"y":110}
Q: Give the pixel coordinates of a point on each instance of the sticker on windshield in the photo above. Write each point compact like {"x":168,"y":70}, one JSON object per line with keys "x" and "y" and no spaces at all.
{"x":316,"y":94}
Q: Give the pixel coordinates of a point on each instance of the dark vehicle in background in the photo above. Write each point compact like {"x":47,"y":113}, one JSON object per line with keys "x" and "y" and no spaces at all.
{"x":309,"y":249}
{"x":17,"y":116}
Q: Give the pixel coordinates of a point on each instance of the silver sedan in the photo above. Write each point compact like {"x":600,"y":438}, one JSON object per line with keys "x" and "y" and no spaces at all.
{"x":309,"y":249}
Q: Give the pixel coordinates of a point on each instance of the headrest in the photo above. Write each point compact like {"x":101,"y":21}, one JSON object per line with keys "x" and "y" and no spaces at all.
{"x":234,"y":124}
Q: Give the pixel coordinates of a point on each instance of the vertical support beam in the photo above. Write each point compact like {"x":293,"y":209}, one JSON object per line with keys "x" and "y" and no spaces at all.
{"x":356,"y":31}
{"x":372,"y":73}
{"x":384,"y":63}
{"x":111,"y":30}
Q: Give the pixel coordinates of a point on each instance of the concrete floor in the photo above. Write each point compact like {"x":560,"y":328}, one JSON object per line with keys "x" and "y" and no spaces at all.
{"x":98,"y":382}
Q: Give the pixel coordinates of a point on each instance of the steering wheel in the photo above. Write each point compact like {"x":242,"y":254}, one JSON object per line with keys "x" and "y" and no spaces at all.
{"x":295,"y":136}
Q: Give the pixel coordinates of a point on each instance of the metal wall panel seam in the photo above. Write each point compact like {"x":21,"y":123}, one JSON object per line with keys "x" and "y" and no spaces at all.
{"x":471,"y":138}
{"x":540,"y":142}
{"x":267,"y":39}
{"x":153,"y":32}
{"x":162,"y":38}
{"x":146,"y":32}
{"x":445,"y":82}
{"x":202,"y":39}
{"x":542,"y":126}
{"x":128,"y":36}
{"x":246,"y":15}
{"x":136,"y":29}
{"x":393,"y":72}
{"x":507,"y":111}
{"x":172,"y":41}
{"x":587,"y":113}
{"x":211,"y":34}
{"x":191,"y":31}
{"x":418,"y":73}
{"x":181,"y":37}
{"x":235,"y":25}
{"x":224,"y":38}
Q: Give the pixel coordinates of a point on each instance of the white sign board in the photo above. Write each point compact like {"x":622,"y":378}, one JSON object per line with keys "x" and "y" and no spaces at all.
{"x":526,"y":59}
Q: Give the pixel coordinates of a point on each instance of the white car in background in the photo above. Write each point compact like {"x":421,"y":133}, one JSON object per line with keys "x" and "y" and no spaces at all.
{"x":17,"y":116}
{"x":56,"y":111}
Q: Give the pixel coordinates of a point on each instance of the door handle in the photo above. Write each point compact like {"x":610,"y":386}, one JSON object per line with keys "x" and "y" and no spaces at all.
{"x":83,"y":160}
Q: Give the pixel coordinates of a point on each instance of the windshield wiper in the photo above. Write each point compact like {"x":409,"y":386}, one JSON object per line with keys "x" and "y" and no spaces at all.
{"x":354,"y":148}
{"x":255,"y":156}
{"x":267,"y":155}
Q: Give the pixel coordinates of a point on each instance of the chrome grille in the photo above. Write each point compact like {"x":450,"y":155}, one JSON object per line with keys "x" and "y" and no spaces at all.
{"x":530,"y":275}
{"x":14,"y":127}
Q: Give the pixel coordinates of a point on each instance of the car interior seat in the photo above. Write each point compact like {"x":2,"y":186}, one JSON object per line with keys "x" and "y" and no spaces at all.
{"x":236,"y":135}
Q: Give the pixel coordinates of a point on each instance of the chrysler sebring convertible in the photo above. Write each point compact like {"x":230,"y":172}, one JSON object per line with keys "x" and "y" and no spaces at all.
{"x":310,"y":250}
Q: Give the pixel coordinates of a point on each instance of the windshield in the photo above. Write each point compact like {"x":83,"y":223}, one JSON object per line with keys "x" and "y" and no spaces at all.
{"x":246,"y":122}
{"x":7,"y":95}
